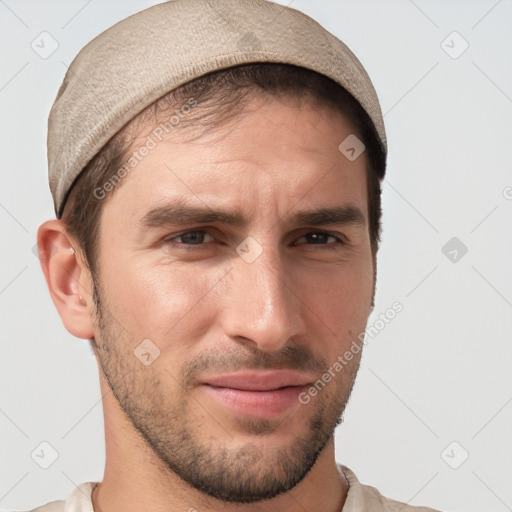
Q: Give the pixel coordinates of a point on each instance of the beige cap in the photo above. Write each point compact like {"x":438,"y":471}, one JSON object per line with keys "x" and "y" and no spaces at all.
{"x":141,"y":58}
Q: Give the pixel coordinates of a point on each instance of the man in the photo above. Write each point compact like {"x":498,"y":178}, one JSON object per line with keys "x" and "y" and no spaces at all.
{"x":215,"y":169}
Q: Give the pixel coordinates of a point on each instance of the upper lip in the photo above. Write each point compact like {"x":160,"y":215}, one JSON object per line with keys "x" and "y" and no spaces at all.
{"x":262,"y":380}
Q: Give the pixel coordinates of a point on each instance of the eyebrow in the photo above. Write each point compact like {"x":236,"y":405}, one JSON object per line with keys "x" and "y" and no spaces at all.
{"x":171,"y":214}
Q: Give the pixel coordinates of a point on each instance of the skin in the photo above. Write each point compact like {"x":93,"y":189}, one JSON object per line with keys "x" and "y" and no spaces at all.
{"x":298,"y":305}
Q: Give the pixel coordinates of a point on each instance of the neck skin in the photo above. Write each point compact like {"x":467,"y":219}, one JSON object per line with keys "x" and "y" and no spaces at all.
{"x":135,"y":479}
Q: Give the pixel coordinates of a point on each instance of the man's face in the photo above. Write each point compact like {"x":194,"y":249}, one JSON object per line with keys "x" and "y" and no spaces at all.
{"x":243,"y":326}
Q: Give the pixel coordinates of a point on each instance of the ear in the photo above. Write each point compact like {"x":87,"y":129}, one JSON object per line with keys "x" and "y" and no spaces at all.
{"x":68,"y":278}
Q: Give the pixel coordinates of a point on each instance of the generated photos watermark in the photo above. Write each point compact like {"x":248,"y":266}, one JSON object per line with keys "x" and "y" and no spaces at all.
{"x":151,"y":142}
{"x":342,"y":360}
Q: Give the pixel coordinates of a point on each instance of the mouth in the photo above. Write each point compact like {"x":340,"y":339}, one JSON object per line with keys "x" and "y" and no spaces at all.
{"x":261,"y":394}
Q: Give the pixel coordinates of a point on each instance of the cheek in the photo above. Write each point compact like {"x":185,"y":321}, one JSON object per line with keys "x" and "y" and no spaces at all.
{"x":340,"y":298}
{"x":160,"y":302}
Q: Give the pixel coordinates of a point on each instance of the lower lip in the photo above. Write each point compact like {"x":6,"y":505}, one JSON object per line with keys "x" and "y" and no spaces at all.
{"x":261,"y":404}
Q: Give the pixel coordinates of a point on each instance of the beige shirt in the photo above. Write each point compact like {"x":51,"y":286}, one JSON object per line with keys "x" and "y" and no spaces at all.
{"x":360,"y":498}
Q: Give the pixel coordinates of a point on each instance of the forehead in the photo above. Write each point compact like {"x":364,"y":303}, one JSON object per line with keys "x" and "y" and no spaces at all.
{"x":275,"y":152}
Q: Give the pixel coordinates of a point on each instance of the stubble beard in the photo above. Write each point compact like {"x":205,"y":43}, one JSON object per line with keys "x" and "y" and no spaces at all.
{"x":242,"y":473}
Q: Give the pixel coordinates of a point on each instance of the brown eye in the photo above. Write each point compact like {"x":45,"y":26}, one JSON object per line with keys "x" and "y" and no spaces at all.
{"x":319,"y":238}
{"x":195,"y":237}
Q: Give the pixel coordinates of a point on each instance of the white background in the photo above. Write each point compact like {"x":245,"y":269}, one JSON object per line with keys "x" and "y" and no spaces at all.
{"x":439,"y":372}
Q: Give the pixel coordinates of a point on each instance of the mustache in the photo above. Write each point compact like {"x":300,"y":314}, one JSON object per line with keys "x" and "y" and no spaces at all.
{"x":292,"y":357}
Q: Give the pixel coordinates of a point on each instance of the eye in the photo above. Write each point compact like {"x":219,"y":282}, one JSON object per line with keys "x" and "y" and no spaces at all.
{"x":320,"y":238}
{"x":196,"y":237}
{"x":200,"y":237}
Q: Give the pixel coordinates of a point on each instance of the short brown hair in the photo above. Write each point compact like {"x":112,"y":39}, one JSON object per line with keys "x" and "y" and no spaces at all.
{"x":221,"y":96}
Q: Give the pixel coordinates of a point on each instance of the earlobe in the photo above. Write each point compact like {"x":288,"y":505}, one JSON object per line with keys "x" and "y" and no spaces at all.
{"x":68,"y":278}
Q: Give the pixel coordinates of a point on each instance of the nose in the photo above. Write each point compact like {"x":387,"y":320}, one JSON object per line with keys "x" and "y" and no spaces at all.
{"x":261,"y":307}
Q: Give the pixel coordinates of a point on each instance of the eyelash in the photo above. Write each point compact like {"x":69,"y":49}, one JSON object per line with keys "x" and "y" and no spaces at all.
{"x":191,"y":247}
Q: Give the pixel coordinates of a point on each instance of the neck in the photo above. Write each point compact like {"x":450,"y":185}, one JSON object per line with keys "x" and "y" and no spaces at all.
{"x":322,"y":489}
